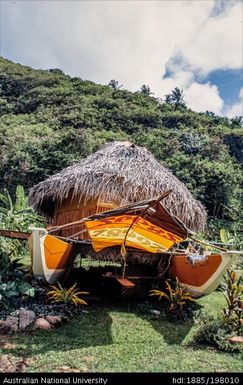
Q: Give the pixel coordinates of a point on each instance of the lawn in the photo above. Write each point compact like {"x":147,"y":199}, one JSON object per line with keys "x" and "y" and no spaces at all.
{"x":124,"y":337}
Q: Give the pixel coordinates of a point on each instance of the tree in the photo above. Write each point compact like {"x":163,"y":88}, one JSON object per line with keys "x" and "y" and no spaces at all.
{"x":237,"y":121}
{"x":210,"y":113}
{"x":176,"y":98}
{"x":114,"y":84}
{"x":146,"y":90}
{"x":56,"y":71}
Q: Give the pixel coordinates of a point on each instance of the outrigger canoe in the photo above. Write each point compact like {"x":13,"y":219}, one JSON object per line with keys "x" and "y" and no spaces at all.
{"x":51,"y":258}
{"x":145,"y":226}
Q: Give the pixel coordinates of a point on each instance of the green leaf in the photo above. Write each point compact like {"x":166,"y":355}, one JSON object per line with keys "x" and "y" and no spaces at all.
{"x":26,"y":289}
{"x":21,"y":200}
{"x":224,"y":236}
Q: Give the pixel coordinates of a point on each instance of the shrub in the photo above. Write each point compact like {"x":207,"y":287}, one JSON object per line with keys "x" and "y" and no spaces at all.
{"x":16,"y":215}
{"x":233,"y":290}
{"x":13,"y":280}
{"x":217,"y":334}
{"x":66,"y":296}
{"x":177,"y":296}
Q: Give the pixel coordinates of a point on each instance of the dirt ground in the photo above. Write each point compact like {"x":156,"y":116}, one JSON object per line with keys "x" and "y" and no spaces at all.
{"x":7,"y":363}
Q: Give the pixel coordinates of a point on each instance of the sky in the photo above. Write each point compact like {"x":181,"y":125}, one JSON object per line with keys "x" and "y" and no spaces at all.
{"x":196,"y":45}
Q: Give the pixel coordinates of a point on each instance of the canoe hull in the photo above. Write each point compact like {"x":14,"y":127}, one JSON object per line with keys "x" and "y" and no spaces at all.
{"x":201,"y":277}
{"x":50,"y":256}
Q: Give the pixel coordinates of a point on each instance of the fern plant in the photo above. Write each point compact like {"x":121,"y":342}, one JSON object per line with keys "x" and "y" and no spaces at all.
{"x":66,"y":296}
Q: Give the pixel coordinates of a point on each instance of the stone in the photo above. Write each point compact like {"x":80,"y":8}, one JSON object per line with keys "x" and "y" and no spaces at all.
{"x":12,"y":322}
{"x":53,"y":319}
{"x":4,"y":327}
{"x":42,"y":323}
{"x":236,"y":339}
{"x":6,"y":364}
{"x":26,"y":318}
{"x":155,"y":312}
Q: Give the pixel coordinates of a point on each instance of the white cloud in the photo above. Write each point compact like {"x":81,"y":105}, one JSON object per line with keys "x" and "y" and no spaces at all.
{"x":217,"y":44}
{"x":199,"y":97}
{"x":128,"y":40}
{"x":237,"y":108}
{"x":131,"y":41}
{"x":181,"y":79}
{"x":204,"y":97}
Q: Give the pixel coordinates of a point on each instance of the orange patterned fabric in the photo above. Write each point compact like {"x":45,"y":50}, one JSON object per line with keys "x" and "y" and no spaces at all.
{"x":136,"y":231}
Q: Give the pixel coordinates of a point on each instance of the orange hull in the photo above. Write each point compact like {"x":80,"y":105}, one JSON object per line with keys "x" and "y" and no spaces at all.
{"x":50,"y":256}
{"x":201,"y":277}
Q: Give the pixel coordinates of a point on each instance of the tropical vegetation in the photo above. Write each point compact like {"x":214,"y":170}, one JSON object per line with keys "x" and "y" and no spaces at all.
{"x":66,"y":296}
{"x":14,"y":276}
{"x":50,"y":120}
{"x":177,"y":296}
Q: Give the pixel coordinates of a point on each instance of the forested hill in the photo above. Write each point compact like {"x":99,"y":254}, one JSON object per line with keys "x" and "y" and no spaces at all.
{"x":50,"y":120}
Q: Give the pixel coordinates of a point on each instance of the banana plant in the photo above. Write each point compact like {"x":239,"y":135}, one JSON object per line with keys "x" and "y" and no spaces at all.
{"x":16,"y":215}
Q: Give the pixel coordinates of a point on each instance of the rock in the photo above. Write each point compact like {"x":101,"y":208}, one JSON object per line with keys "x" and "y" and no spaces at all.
{"x":236,"y":339}
{"x":53,"y":319}
{"x":155,"y":312}
{"x":26,"y":318}
{"x":42,"y":323}
{"x":12,"y":322}
{"x":5,"y":328}
{"x":6,"y":364}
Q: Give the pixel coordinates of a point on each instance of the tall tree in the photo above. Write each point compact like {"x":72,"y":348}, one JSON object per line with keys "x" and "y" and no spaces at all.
{"x":114,"y":84}
{"x":237,"y":121}
{"x":145,"y":89}
{"x":176,"y":98}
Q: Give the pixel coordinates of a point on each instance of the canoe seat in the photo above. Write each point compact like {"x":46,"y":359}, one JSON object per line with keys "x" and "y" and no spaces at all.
{"x":125,"y":282}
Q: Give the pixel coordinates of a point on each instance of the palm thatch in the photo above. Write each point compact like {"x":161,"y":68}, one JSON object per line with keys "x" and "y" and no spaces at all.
{"x":123,"y":173}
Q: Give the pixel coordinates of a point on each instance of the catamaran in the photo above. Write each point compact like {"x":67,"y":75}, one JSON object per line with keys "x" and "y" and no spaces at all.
{"x":145,"y":227}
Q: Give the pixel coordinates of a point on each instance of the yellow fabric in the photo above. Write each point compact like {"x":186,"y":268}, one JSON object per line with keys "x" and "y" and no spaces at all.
{"x":142,"y":235}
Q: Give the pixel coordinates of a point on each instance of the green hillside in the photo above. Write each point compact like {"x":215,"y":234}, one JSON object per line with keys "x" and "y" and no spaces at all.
{"x":50,"y":120}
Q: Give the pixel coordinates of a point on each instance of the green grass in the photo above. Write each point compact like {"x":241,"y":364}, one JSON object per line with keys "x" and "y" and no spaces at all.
{"x":125,"y":337}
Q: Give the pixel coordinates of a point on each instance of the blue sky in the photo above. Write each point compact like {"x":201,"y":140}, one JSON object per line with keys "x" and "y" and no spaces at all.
{"x":229,"y":83}
{"x":192,"y":44}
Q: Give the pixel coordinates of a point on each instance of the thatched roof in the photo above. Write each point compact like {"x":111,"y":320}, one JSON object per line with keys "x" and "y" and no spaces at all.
{"x":123,"y":173}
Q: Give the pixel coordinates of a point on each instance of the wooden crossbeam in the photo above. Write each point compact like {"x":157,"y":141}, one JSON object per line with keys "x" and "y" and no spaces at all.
{"x":14,"y":234}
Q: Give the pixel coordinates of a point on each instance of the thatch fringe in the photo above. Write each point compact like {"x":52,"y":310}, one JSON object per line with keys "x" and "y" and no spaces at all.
{"x":123,"y":173}
{"x":113,"y":254}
